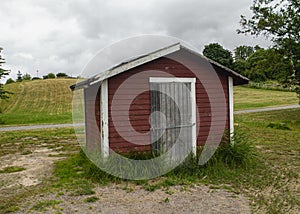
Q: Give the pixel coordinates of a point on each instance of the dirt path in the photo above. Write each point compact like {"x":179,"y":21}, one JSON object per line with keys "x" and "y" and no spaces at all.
{"x":31,"y":127}
{"x":38,"y":166}
{"x":116,"y":199}
{"x":266,"y":109}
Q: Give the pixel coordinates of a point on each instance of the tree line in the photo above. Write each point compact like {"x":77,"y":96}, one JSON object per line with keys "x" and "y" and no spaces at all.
{"x":256,"y":63}
{"x":27,"y":76}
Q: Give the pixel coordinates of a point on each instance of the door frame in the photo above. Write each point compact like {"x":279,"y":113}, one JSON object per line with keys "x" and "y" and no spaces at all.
{"x":192,"y":81}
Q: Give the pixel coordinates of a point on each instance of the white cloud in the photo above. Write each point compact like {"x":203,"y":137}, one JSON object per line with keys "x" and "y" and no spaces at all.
{"x":61,"y":36}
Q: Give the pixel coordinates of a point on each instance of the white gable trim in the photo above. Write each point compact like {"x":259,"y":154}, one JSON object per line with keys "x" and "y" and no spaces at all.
{"x":137,"y":62}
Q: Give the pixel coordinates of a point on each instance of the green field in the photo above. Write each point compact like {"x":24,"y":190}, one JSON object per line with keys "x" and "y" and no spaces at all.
{"x":50,"y":101}
{"x":251,"y":98}
{"x":38,"y":102}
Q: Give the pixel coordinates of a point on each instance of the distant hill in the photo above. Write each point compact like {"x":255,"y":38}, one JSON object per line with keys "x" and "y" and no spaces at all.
{"x":38,"y":101}
{"x":50,"y":101}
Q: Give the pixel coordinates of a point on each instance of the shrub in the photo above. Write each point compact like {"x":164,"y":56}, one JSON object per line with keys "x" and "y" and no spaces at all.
{"x":61,"y":75}
{"x":51,"y":76}
{"x":26,"y":77}
{"x":9,"y":81}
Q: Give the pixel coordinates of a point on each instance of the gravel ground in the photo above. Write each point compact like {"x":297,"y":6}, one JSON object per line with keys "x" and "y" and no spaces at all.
{"x":113,"y":198}
{"x":178,"y":199}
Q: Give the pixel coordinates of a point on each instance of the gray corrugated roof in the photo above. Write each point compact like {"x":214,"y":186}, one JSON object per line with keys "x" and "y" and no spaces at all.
{"x":141,"y":59}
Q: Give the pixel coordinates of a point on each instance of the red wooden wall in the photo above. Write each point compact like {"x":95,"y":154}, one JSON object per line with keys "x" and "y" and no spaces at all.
{"x":139,"y":111}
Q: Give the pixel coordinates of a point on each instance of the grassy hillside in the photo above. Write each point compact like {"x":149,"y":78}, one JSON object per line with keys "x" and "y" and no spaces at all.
{"x":39,"y":101}
{"x":49,"y":101}
{"x":251,"y":98}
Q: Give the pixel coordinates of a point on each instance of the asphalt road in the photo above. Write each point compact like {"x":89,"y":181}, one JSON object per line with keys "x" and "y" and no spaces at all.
{"x":20,"y":128}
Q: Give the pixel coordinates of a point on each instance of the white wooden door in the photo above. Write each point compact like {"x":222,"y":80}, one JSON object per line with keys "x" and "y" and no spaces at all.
{"x":172,"y":115}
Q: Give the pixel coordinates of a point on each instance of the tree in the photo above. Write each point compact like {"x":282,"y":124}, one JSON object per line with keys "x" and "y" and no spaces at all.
{"x":26,"y":77}
{"x":217,"y":53}
{"x":51,"y":76}
{"x":268,"y":65}
{"x":61,"y":75}
{"x":243,"y":52}
{"x":241,"y":66}
{"x":9,"y":81}
{"x":3,"y":73}
{"x":279,"y":20}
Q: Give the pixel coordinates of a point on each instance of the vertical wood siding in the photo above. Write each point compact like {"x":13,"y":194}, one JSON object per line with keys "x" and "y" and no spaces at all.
{"x":140,"y":109}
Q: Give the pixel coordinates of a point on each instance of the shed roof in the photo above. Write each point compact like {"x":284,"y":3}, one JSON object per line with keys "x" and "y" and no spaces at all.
{"x":142,"y":59}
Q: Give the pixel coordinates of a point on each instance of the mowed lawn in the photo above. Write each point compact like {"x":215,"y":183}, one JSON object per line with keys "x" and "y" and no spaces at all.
{"x":38,"y":102}
{"x":251,"y":98}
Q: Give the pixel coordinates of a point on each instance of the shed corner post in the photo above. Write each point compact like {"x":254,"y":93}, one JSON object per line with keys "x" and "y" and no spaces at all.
{"x":194,"y":116}
{"x":231,"y":106}
{"x":104,"y":130}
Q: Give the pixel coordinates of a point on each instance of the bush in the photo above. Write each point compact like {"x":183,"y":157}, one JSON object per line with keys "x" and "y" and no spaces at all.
{"x":51,"y":76}
{"x":26,"y":77}
{"x":61,"y":75}
{"x":9,"y":81}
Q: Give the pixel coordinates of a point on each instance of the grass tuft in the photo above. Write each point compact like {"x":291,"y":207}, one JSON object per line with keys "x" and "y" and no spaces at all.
{"x":43,"y":205}
{"x":12,"y":169}
{"x":91,"y":199}
{"x":281,"y":126}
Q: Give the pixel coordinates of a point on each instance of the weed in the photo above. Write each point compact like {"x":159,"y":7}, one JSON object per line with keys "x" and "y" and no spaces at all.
{"x":281,"y":126}
{"x":166,"y":200}
{"x":12,"y":169}
{"x":91,"y":199}
{"x":43,"y":205}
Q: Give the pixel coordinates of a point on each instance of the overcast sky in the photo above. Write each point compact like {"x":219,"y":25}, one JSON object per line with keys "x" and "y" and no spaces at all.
{"x":62,"y":36}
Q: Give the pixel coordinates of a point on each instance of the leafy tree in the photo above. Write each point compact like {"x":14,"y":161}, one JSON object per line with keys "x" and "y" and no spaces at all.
{"x":3,"y":73}
{"x":243,"y":52}
{"x":26,"y":77}
{"x":241,"y":66}
{"x":268,"y":65}
{"x":217,"y":53}
{"x":60,"y":75}
{"x":279,"y":20}
{"x":9,"y":81}
{"x":51,"y":76}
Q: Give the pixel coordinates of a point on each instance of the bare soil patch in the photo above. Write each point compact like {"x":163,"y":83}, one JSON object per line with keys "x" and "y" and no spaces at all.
{"x":117,"y":199}
{"x":112,"y":198}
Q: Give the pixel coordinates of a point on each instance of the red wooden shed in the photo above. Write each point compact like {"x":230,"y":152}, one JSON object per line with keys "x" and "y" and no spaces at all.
{"x":193,"y":94}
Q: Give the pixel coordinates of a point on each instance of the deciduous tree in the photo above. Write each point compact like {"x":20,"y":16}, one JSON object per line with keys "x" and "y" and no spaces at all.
{"x":280,"y":21}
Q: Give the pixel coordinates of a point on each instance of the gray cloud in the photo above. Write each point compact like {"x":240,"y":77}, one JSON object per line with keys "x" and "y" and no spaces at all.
{"x":62,"y":36}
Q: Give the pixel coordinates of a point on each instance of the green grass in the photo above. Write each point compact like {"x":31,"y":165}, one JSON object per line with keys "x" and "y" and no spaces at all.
{"x":43,"y":205}
{"x":49,"y":101}
{"x":91,"y":199}
{"x":38,"y":102}
{"x":270,"y":178}
{"x":251,"y":98}
{"x":12,"y":169}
